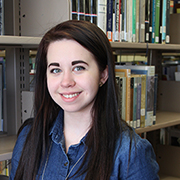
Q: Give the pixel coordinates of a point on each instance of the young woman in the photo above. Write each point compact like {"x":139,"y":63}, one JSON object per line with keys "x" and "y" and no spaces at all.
{"x":77,"y":132}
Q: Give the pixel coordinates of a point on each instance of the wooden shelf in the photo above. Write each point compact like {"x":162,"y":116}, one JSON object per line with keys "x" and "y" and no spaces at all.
{"x":166,"y":177}
{"x":27,"y":41}
{"x":150,"y":46}
{"x":22,"y":41}
{"x":164,"y":119}
{"x":6,"y":147}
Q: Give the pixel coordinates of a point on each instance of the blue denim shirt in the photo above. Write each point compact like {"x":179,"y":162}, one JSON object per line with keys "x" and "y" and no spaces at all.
{"x":59,"y":165}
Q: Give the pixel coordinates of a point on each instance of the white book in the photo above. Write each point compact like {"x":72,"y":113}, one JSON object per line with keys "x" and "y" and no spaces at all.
{"x":101,"y":14}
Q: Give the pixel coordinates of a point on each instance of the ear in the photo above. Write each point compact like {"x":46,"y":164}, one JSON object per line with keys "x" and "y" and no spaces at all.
{"x":104,"y":76}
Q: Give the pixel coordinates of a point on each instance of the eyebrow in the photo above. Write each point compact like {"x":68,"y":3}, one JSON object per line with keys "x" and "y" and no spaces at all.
{"x":79,"y":61}
{"x":54,"y":64}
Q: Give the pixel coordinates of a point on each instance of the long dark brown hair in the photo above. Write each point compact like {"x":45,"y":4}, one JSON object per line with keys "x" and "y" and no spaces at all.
{"x":106,"y":126}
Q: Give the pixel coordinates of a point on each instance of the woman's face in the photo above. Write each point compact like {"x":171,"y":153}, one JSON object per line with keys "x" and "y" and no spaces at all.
{"x":73,"y":76}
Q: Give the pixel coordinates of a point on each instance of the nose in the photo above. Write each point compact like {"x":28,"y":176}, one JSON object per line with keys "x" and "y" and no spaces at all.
{"x":67,"y":80}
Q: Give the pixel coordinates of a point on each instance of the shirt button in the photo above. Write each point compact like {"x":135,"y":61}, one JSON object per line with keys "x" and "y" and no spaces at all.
{"x":65,"y":164}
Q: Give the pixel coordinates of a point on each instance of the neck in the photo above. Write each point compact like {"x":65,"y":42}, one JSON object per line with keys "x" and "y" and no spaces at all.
{"x":75,"y":127}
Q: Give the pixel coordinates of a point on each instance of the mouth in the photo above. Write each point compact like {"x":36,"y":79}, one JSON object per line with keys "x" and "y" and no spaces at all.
{"x":68,"y":96}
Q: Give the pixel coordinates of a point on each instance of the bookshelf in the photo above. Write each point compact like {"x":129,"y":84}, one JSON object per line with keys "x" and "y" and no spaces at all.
{"x":17,"y":53}
{"x":7,"y":148}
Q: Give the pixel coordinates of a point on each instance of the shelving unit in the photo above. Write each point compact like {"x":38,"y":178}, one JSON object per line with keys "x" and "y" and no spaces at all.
{"x":17,"y":62}
{"x":7,"y":148}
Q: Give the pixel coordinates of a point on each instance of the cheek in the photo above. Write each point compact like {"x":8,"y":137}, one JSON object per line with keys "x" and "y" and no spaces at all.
{"x":51,"y":85}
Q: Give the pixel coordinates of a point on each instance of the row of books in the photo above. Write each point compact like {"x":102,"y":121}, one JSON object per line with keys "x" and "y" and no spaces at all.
{"x":127,"y":20}
{"x":5,"y":167}
{"x":138,"y":94}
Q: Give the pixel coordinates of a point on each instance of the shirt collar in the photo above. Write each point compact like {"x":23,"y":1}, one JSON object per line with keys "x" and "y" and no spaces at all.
{"x":57,"y":128}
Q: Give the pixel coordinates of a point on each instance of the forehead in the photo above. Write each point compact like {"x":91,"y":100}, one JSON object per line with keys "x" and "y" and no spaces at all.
{"x":67,"y":48}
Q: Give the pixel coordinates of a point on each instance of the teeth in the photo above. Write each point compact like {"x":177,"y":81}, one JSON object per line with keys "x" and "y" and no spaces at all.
{"x":70,"y":95}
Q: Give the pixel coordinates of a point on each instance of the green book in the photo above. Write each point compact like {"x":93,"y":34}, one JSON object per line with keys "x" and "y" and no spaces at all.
{"x":157,"y":21}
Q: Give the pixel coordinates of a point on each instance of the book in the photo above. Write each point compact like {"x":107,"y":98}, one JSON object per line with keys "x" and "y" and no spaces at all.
{"x":150,"y":22}
{"x":88,"y":10}
{"x":133,"y":20}
{"x":93,"y":12}
{"x":137,"y":20}
{"x":143,"y":101}
{"x":101,"y":15}
{"x":149,"y":71}
{"x":126,"y":73}
{"x":160,"y":21}
{"x":110,"y":19}
{"x":81,"y":9}
{"x":153,"y":20}
{"x":147,"y":19}
{"x":129,"y":21}
{"x":134,"y":102}
{"x":1,"y":17}
{"x":1,"y":98}
{"x":74,"y":5}
{"x":124,"y":20}
{"x":155,"y":97}
{"x":167,"y":40}
{"x":157,"y":19}
{"x":138,"y":107}
{"x":120,"y":21}
{"x":116,"y":21}
{"x":164,"y":15}
{"x":121,"y":81}
{"x":142,"y":21}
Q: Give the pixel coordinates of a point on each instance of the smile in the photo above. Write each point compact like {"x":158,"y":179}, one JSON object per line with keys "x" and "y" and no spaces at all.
{"x":70,"y":95}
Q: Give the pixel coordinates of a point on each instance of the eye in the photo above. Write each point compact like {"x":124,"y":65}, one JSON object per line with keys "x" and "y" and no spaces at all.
{"x":55,"y":71}
{"x":79,"y":68}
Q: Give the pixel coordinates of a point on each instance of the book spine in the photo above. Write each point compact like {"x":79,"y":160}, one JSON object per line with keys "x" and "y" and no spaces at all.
{"x":124,"y":98}
{"x":150,"y":100}
{"x":137,"y":20}
{"x":135,"y":103}
{"x":131,"y":101}
{"x":2,"y":17}
{"x":168,"y":23}
{"x":160,"y":21}
{"x":120,"y":21}
{"x":147,"y":15}
{"x":94,"y":11}
{"x":74,"y":13}
{"x":150,"y":22}
{"x":142,"y":21}
{"x":116,"y":21}
{"x":88,"y":10}
{"x":124,"y":19}
{"x":1,"y":97}
{"x":101,"y":15}
{"x":81,"y":9}
{"x":129,"y":20}
{"x":143,"y":100}
{"x":153,"y":19}
{"x":109,"y":19}
{"x":157,"y":18}
{"x":138,"y":116}
{"x":171,"y":6}
{"x":155,"y":98}
{"x":134,"y":21}
{"x":164,"y":11}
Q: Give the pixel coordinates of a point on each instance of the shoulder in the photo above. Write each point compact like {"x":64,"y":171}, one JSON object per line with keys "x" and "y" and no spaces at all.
{"x":135,"y":157}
